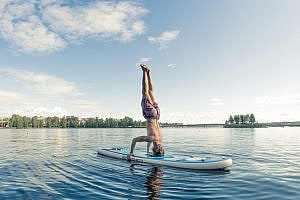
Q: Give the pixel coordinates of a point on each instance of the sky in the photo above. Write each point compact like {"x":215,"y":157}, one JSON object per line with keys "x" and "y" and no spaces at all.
{"x":208,"y":59}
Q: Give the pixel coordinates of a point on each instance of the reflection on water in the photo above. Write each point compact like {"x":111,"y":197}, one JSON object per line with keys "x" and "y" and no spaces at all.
{"x":154,"y":182}
{"x":153,"y":176}
{"x":63,"y":164}
{"x":243,"y":139}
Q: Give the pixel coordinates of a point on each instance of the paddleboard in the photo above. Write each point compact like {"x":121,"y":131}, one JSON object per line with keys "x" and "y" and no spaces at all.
{"x":207,"y":162}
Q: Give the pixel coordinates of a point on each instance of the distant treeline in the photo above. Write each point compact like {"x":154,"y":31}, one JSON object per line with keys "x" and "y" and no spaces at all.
{"x":242,"y":121}
{"x":17,"y":121}
{"x":282,"y":124}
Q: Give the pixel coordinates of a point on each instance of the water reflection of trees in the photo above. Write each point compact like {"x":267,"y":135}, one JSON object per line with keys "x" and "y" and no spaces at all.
{"x":243,"y":141}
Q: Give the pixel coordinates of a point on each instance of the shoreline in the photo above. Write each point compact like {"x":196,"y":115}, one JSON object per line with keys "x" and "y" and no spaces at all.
{"x":184,"y":126}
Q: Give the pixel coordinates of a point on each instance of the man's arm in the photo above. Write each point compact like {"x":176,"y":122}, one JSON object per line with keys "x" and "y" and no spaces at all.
{"x":138,"y":139}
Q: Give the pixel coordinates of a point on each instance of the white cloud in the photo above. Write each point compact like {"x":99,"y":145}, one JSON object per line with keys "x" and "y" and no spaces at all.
{"x":144,"y":60}
{"x":42,"y":83}
{"x":172,"y":65}
{"x":12,"y":102}
{"x":278,"y":108}
{"x":177,"y":114}
{"x":164,"y":39}
{"x":26,"y":31}
{"x":50,"y":25}
{"x":213,"y":116}
{"x":195,"y":117}
{"x":102,"y":19}
{"x":47,"y":112}
{"x":7,"y":96}
{"x":84,"y":104}
{"x":3,"y":3}
{"x":279,"y":100}
{"x":42,"y":95}
{"x":216,"y":102}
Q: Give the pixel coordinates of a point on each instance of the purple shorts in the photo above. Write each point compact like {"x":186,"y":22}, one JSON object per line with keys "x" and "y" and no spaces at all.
{"x":150,"y":110}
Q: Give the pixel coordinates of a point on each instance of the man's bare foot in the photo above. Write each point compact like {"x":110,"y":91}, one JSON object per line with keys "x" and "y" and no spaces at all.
{"x":144,"y":67}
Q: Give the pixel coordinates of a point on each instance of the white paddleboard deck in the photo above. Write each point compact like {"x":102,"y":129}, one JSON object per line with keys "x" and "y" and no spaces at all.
{"x":187,"y":162}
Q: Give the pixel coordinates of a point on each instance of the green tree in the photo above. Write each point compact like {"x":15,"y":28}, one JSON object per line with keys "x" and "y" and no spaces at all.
{"x":42,"y":123}
{"x":247,"y":118}
{"x":129,"y":121}
{"x":63,"y":122}
{"x":35,"y":122}
{"x":242,"y":119}
{"x":72,"y":122}
{"x":101,"y":123}
{"x":236,"y":119}
{"x":55,"y":122}
{"x":48,"y":122}
{"x":17,"y":121}
{"x":111,"y":123}
{"x":20,"y":123}
{"x":231,"y":120}
{"x":252,"y":119}
{"x":90,"y":123}
{"x":26,"y":122}
{"x":96,"y":122}
{"x":126,"y":122}
{"x":13,"y":120}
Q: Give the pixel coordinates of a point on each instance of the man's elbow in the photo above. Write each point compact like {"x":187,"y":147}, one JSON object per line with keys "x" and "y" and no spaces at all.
{"x":134,"y":140}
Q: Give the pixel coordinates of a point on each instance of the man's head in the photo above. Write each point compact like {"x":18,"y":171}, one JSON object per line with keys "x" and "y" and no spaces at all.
{"x":158,"y":150}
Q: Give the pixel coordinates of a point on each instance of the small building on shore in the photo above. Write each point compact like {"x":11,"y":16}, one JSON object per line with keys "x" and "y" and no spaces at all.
{"x":4,"y":124}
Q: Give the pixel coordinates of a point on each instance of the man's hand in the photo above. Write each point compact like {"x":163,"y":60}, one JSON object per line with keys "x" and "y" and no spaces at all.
{"x":129,"y":156}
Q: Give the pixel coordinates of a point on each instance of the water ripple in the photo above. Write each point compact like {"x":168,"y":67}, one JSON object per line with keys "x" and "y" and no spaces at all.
{"x":63,"y":164}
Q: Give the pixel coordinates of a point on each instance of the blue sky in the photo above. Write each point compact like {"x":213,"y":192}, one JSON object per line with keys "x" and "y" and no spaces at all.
{"x":209,"y":59}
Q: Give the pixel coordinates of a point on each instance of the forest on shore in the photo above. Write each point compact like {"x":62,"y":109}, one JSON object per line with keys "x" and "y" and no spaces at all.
{"x":23,"y":122}
{"x":17,"y":121}
{"x":243,"y":121}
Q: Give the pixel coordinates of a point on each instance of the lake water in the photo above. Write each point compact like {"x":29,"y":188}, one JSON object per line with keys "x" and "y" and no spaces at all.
{"x":63,"y":164}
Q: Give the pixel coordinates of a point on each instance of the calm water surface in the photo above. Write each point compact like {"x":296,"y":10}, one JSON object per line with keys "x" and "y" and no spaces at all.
{"x":63,"y":164}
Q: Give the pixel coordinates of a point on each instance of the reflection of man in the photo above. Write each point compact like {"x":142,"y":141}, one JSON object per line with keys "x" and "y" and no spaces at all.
{"x":154,"y":181}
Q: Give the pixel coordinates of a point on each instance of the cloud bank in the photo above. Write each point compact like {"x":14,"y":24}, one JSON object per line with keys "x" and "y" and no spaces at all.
{"x":41,"y":94}
{"x":293,"y":99}
{"x":164,"y":39}
{"x":45,"y":26}
{"x":41,"y":83}
{"x":47,"y":112}
{"x":11,"y":96}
